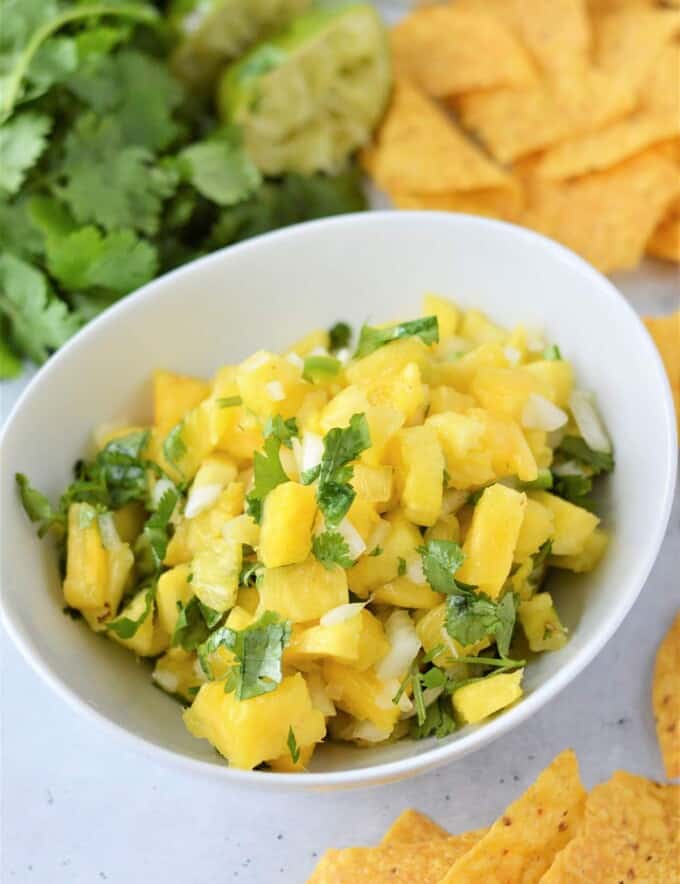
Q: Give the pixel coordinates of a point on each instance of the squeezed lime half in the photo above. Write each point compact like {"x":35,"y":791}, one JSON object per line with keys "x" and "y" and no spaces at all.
{"x":308,"y":97}
{"x":215,"y":32}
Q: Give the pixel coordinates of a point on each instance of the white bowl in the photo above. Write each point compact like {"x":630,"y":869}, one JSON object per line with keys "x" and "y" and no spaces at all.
{"x":266,"y":293}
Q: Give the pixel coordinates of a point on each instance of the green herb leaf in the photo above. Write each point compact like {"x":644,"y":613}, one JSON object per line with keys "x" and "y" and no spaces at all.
{"x":441,"y":559}
{"x":378,"y":551}
{"x":552,"y":353}
{"x":284,"y":431}
{"x":331,"y":549}
{"x":22,"y":141}
{"x":341,"y":447}
{"x":230,"y":401}
{"x":37,"y":506}
{"x":193,"y":625}
{"x":320,"y":368}
{"x":574,"y":488}
{"x":220,"y":169}
{"x":543,"y":482}
{"x":401,"y":567}
{"x":258,"y":650}
{"x":471,"y":616}
{"x":293,"y":746}
{"x":438,"y":721}
{"x":339,"y":336}
{"x":125,"y":627}
{"x":574,"y":447}
{"x":156,"y":527}
{"x":371,"y":339}
{"x":268,"y":473}
{"x":10,"y":364}
{"x":174,"y":447}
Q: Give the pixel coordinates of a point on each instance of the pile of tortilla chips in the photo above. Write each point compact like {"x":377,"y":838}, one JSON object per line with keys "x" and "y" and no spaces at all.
{"x":666,"y":333}
{"x":626,"y":829}
{"x":562,"y":115}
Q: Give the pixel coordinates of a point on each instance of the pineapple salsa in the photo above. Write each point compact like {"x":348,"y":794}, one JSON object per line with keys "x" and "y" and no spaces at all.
{"x":320,"y":546}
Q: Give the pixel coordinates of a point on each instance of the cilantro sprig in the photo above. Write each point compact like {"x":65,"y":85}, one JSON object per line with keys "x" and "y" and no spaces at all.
{"x":371,"y":339}
{"x":268,"y":471}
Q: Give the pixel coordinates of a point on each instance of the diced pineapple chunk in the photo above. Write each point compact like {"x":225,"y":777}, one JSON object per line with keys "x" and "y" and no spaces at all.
{"x":216,"y":571}
{"x":443,"y":398}
{"x":173,"y":396}
{"x":339,"y":411}
{"x":419,"y":468}
{"x":87,"y":563}
{"x":373,"y":644}
{"x":538,"y":526}
{"x":286,"y":533}
{"x":285,"y":764}
{"x":448,"y":315}
{"x":383,"y":422}
{"x":193,"y":535}
{"x":373,"y":484}
{"x":503,"y":391}
{"x":248,"y":732}
{"x":510,"y":452}
{"x":339,"y":641}
{"x":476,"y":701}
{"x":573,"y":524}
{"x":540,"y":623}
{"x":173,"y":587}
{"x":315,"y":339}
{"x":490,"y":543}
{"x":178,"y":673}
{"x":302,"y":592}
{"x":149,"y":639}
{"x":242,"y":529}
{"x":373,"y":571}
{"x":593,"y":550}
{"x":194,"y":433}
{"x":478,"y":328}
{"x":129,"y":521}
{"x":362,"y":694}
{"x":462,"y":438}
{"x":363,"y":517}
{"x":555,"y":378}
{"x":537,"y":440}
{"x":391,"y":359}
{"x":270,"y":384}
{"x":460,"y":373}
{"x":405,"y":392}
{"x":404,"y":593}
{"x":445,"y":528}
{"x":248,"y":598}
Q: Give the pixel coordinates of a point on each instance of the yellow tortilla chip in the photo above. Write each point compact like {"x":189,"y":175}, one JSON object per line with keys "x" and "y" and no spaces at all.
{"x":666,"y":333}
{"x":607,"y":217}
{"x":608,"y":146}
{"x":495,"y":202}
{"x":661,"y":89}
{"x":447,"y":51}
{"x":420,"y":150}
{"x":666,"y":683}
{"x":513,"y":123}
{"x":665,"y":241}
{"x":628,"y":42}
{"x":521,"y":845}
{"x":403,"y":864}
{"x":412,"y":826}
{"x":629,"y":833}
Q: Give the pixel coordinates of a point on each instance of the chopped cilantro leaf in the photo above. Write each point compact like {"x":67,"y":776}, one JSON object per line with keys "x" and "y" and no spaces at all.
{"x":378,"y":551}
{"x":230,"y":401}
{"x":156,"y":528}
{"x":320,"y":368}
{"x":268,"y":473}
{"x":38,"y":507}
{"x":574,"y":488}
{"x":126,"y":627}
{"x":193,"y":625}
{"x":220,"y":169}
{"x":293,"y":746}
{"x":441,"y":559}
{"x":339,"y":336}
{"x":438,"y":721}
{"x":284,"y":430}
{"x":174,"y":447}
{"x":341,"y":446}
{"x":574,"y":447}
{"x":552,"y":353}
{"x":471,"y":616}
{"x":401,"y":567}
{"x":22,"y":141}
{"x":543,"y":481}
{"x":371,"y":339}
{"x":258,"y":650}
{"x":331,"y":549}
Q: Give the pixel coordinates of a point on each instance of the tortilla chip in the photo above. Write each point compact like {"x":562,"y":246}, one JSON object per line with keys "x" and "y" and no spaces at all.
{"x":447,"y":51}
{"x":665,"y":241}
{"x":513,"y":123}
{"x":521,"y":845}
{"x":666,"y":683}
{"x":661,"y":89}
{"x":412,"y":826}
{"x":402,"y":864}
{"x":629,"y":833}
{"x":496,"y":202}
{"x":607,"y":217}
{"x":420,"y":150}
{"x":666,"y":333}
{"x":608,"y":146}
{"x":628,"y":42}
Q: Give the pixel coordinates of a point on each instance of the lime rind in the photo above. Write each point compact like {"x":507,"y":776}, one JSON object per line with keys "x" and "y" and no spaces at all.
{"x":310,"y":96}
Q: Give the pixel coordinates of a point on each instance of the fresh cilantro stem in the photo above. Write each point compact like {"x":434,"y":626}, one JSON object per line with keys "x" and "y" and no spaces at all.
{"x":134,"y":11}
{"x":502,"y":662}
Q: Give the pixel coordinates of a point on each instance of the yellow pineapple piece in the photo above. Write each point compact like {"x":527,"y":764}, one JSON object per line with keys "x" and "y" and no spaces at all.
{"x":391,"y":359}
{"x":362,"y":694}
{"x":404,"y":391}
{"x":248,"y":598}
{"x":540,"y":623}
{"x":478,"y":700}
{"x":87,"y":562}
{"x":173,"y":587}
{"x":383,"y":422}
{"x":573,"y":524}
{"x":173,"y":396}
{"x":270,"y":384}
{"x":460,"y":373}
{"x":373,"y":644}
{"x":404,"y":593}
{"x":363,"y":517}
{"x":537,"y":440}
{"x":555,"y":378}
{"x":510,"y":452}
{"x":448,"y":315}
{"x":198,"y":533}
{"x":242,"y":529}
{"x":216,"y":571}
{"x":374,"y":571}
{"x":340,"y":409}
{"x":178,"y":673}
{"x":129,"y":520}
{"x":478,"y":328}
{"x":504,"y":391}
{"x":491,"y":540}
{"x":286,"y":533}
{"x":309,"y":413}
{"x":285,"y":764}
{"x":463,"y":441}
{"x":445,"y":528}
{"x":339,"y":641}
{"x":593,"y":549}
{"x":419,"y":469}
{"x":443,"y":398}
{"x":316,"y":339}
{"x":373,"y":484}
{"x":193,"y":432}
{"x":302,"y":592}
{"x":248,"y":732}
{"x":149,"y":639}
{"x":538,"y":525}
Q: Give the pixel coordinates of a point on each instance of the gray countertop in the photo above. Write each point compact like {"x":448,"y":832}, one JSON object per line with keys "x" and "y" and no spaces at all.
{"x":79,"y":808}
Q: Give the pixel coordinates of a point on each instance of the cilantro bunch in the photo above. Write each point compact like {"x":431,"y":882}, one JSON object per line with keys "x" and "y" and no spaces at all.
{"x":111,"y":173}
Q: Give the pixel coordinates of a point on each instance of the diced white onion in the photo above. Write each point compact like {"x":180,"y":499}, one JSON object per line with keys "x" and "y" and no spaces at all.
{"x":342,"y":613}
{"x":312,"y":451}
{"x":275,"y":391}
{"x":352,"y":538}
{"x":449,"y":642}
{"x":366,"y":731}
{"x":404,"y":645}
{"x":319,"y":695}
{"x":569,"y":468}
{"x":378,"y":535}
{"x":258,"y":360}
{"x":415,"y":572}
{"x":107,"y":531}
{"x":295,"y":360}
{"x":513,"y":355}
{"x":200,"y":499}
{"x":540,"y":413}
{"x":318,"y":351}
{"x":589,"y":422}
{"x":343,"y":355}
{"x":453,"y":500}
{"x":167,"y":680}
{"x":159,"y":489}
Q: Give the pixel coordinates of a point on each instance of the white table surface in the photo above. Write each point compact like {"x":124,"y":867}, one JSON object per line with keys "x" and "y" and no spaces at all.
{"x":78,"y":808}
